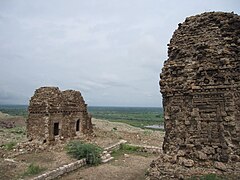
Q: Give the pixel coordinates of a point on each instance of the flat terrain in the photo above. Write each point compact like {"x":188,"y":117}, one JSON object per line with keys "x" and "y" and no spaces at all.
{"x":108,"y":133}
{"x":130,"y":166}
{"x":135,"y":116}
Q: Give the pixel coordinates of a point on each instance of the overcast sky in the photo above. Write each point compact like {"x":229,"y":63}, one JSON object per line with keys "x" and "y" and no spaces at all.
{"x":110,"y":50}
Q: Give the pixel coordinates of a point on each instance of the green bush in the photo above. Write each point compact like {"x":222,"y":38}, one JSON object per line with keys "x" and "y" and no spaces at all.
{"x":80,"y":150}
{"x":33,"y":170}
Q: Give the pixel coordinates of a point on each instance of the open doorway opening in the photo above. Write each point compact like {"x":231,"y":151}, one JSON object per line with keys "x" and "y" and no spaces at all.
{"x":56,"y":129}
{"x":78,"y":125}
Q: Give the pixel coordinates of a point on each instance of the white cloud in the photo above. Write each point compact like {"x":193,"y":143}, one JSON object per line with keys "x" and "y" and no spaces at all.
{"x":112,"y":51}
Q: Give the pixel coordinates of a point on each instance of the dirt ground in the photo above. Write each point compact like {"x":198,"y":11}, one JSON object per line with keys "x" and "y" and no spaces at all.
{"x":125,"y":168}
{"x":106,"y":133}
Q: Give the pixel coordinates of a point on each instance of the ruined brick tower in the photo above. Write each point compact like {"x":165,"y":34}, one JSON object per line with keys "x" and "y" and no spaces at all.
{"x":200,"y":84}
{"x":55,"y":114}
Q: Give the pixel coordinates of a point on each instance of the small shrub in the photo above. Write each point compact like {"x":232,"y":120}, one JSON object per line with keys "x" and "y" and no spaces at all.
{"x":80,"y":150}
{"x":33,"y":170}
{"x":9,"y":146}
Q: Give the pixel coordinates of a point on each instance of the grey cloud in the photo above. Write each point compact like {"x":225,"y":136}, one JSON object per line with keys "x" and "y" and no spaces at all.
{"x":112,"y":51}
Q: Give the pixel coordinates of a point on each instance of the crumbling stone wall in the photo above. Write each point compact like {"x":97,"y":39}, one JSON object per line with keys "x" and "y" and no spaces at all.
{"x":200,"y":84}
{"x":55,"y":114}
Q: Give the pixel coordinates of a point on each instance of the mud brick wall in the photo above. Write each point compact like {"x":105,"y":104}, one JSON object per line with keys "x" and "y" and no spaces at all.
{"x":49,"y":106}
{"x":200,"y":84}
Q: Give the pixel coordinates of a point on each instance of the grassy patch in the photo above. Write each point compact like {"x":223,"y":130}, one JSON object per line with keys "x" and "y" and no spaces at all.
{"x":33,"y":169}
{"x":10,"y":145}
{"x":207,"y":177}
{"x":18,"y":130}
{"x":128,"y":149}
{"x":80,"y":150}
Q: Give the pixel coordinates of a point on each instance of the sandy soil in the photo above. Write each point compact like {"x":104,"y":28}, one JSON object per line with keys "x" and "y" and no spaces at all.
{"x":130,"y":168}
{"x":124,"y":168}
{"x":106,"y":133}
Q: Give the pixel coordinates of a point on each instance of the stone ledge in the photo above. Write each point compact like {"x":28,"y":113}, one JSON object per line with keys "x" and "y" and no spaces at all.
{"x":149,"y":149}
{"x":115,"y":146}
{"x":61,"y":170}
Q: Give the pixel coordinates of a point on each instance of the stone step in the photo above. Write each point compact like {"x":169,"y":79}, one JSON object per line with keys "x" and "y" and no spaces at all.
{"x":106,"y":160}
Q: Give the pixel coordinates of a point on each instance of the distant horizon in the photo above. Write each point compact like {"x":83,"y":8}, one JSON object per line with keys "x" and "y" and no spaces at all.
{"x":94,"y":106}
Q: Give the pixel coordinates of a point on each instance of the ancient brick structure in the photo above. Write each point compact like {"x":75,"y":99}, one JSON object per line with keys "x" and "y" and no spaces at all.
{"x":55,"y":114}
{"x":200,"y":84}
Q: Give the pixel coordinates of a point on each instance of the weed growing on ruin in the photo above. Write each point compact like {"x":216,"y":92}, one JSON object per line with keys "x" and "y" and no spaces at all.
{"x":206,"y":177}
{"x":18,"y":130}
{"x":10,"y":145}
{"x":80,"y":150}
{"x":33,"y":169}
{"x":128,"y":147}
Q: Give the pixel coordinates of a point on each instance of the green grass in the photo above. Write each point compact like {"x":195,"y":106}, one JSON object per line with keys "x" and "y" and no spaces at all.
{"x":33,"y":169}
{"x":80,"y":150}
{"x":128,"y":149}
{"x":206,"y":177}
{"x":18,"y":130}
{"x":10,"y":145}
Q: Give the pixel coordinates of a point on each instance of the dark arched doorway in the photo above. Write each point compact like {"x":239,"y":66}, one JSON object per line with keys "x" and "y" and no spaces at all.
{"x":78,"y":125}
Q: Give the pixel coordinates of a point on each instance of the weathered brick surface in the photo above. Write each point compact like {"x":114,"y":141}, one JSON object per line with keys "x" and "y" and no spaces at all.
{"x":200,"y":84}
{"x":49,"y":105}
